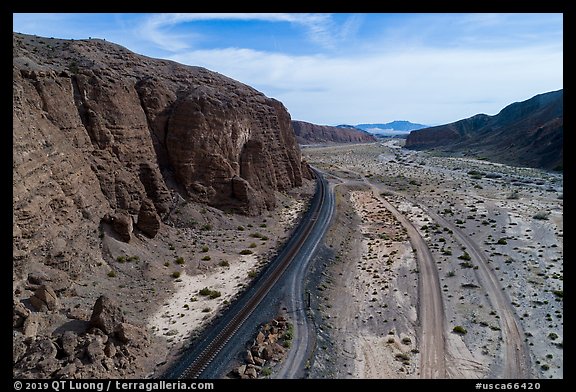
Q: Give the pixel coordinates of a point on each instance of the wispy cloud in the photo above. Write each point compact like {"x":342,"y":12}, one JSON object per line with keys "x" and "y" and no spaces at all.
{"x":332,"y":68}
{"x":440,"y":86}
{"x":157,"y":28}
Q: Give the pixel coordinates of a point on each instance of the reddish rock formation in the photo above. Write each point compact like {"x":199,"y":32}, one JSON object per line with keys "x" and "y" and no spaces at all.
{"x":307,"y":133}
{"x":100,"y":130}
{"x":107,"y":146}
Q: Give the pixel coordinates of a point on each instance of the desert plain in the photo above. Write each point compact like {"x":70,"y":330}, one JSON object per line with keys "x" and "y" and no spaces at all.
{"x":438,"y":266}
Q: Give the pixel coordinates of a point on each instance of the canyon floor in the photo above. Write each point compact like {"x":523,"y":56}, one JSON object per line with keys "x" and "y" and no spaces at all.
{"x":494,"y":233}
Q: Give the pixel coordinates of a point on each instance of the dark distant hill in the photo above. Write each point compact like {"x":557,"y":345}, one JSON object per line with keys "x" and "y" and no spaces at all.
{"x":394,"y":128}
{"x":307,"y":133}
{"x":528,"y":133}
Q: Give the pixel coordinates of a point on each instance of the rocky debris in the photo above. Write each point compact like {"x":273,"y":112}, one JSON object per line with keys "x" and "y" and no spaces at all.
{"x":45,"y":298}
{"x":95,"y":350}
{"x":106,"y":315}
{"x":89,"y":354}
{"x":68,"y":342}
{"x":130,"y":334}
{"x":31,"y":325}
{"x":19,"y":314}
{"x":78,"y":314}
{"x":268,"y":348}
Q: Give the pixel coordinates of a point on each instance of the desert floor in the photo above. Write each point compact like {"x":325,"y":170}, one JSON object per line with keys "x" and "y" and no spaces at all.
{"x":495,"y":234}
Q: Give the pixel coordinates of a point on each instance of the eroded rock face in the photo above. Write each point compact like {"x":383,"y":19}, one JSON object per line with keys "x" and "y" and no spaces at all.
{"x":100,"y":130}
{"x":308,"y":133}
{"x":105,"y":143}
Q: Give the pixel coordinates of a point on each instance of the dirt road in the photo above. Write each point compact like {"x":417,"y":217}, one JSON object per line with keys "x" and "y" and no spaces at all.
{"x":431,"y":308}
{"x":516,"y":356}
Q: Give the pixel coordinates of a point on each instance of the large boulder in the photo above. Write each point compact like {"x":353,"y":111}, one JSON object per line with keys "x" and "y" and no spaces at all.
{"x":45,"y":298}
{"x":122,"y":225}
{"x":19,"y":314}
{"x":148,"y":219}
{"x":31,"y":325}
{"x":106,"y":315}
{"x":130,"y":334}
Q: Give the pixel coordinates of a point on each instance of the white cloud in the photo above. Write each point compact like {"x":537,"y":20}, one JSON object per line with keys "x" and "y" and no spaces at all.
{"x":156,"y":28}
{"x":427,"y":86}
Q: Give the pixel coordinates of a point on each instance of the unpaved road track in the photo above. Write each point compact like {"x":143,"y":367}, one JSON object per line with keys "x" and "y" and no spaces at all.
{"x":516,"y":355}
{"x":431,"y":307}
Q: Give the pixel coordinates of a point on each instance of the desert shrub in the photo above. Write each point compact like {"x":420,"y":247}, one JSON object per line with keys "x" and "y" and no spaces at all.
{"x":206,"y":292}
{"x":112,"y":274}
{"x":465,"y":256}
{"x":541,"y":215}
{"x":224,"y":263}
{"x":460,"y":329}
{"x":502,"y":241}
{"x":246,"y":252}
{"x":206,"y":258}
{"x":176,"y":274}
{"x":179,"y":260}
{"x":552,"y":336}
{"x":252,"y":274}
{"x":252,"y":245}
{"x":205,"y":248}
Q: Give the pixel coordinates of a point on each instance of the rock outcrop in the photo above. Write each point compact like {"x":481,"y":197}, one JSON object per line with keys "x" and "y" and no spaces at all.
{"x":91,"y":352}
{"x":100,"y":132}
{"x":528,"y":133}
{"x":106,"y":315}
{"x":45,"y":298}
{"x":267,"y":350}
{"x":109,"y":146}
{"x":308,"y":133}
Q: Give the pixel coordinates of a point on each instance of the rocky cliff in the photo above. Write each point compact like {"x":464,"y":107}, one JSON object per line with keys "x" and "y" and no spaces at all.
{"x":307,"y":133}
{"x":104,"y":135}
{"x":528,"y":133}
{"x":105,"y":144}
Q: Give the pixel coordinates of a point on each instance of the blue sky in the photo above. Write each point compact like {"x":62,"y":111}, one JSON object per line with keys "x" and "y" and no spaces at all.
{"x":348,"y":68}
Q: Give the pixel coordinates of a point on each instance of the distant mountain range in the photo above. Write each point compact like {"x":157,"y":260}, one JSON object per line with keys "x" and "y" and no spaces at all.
{"x":528,"y":133}
{"x":308,"y":133}
{"x":394,"y":128}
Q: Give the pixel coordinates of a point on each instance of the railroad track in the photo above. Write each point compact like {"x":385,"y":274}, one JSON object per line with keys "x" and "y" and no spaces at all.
{"x":192,"y":366}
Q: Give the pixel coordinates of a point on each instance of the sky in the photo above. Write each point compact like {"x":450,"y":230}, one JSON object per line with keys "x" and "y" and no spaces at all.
{"x":348,"y":68}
